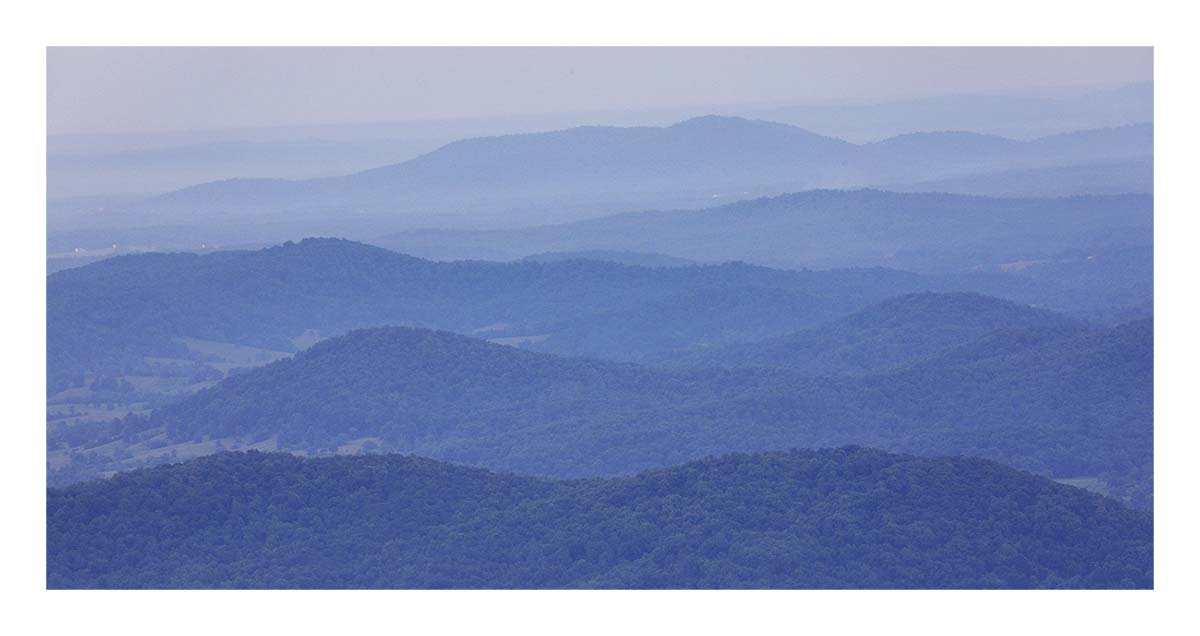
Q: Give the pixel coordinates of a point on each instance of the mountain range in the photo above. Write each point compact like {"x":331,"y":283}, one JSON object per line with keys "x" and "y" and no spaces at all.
{"x":1061,"y":402}
{"x":894,"y":346}
{"x":1085,"y":254}
{"x":105,"y":317}
{"x":898,"y":332}
{"x":822,"y":228}
{"x":592,"y":170}
{"x":1015,"y":116}
{"x":79,"y":165}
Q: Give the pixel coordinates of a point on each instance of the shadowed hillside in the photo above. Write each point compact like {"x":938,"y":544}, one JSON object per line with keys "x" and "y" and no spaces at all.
{"x":108,"y":316}
{"x":1065,"y":407}
{"x":895,"y":333}
{"x":802,"y":519}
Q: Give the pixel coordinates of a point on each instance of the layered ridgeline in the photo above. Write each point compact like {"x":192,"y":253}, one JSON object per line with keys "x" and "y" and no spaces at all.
{"x":949,"y":232}
{"x":1092,"y":255}
{"x":1065,"y":405}
{"x":156,"y":162}
{"x":1100,"y":178}
{"x":639,"y":259}
{"x":1017,"y":116}
{"x":895,"y":333}
{"x":589,"y":170}
{"x":109,"y":316}
{"x":846,"y":518}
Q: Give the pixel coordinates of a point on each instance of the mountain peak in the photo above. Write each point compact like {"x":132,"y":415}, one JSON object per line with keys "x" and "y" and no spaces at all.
{"x":730,"y":123}
{"x":714,"y":121}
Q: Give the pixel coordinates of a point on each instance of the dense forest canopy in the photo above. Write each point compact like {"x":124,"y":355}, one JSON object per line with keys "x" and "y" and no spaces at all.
{"x":1063,"y":404}
{"x":106,"y":316}
{"x":845,"y":518}
{"x":109,"y":316}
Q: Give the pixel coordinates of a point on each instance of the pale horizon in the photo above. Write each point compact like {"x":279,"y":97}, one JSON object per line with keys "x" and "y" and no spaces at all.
{"x":98,"y":91}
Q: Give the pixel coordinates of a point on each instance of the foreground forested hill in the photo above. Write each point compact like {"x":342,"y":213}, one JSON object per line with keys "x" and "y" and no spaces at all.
{"x":802,"y":519}
{"x":1062,"y":405}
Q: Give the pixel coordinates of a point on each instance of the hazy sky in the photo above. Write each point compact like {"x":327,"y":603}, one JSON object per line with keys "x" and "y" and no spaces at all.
{"x":99,"y":90}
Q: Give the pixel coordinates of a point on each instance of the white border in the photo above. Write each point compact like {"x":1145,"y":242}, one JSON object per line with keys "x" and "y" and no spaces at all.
{"x":29,"y":28}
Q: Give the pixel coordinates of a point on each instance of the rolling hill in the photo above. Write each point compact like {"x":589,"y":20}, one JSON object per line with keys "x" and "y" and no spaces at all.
{"x":107,"y":316}
{"x":895,"y":333}
{"x":1063,"y":407}
{"x":845,"y":518}
{"x":1078,"y":254}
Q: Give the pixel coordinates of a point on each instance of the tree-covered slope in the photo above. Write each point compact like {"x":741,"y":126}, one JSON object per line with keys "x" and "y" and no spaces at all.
{"x":1001,"y":396}
{"x":1064,"y":407}
{"x":681,"y":322}
{"x":107,"y":315}
{"x":1066,"y":254}
{"x":895,"y":333}
{"x":840,"y":518}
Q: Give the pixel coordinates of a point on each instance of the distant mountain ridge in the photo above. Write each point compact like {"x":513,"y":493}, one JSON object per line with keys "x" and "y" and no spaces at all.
{"x":640,"y":259}
{"x":1010,"y":248}
{"x":581,"y":171}
{"x":154,"y":162}
{"x":1136,"y":176}
{"x":1013,"y":116}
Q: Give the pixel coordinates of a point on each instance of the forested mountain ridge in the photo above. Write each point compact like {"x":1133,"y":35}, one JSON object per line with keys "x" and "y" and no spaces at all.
{"x":1069,"y":406}
{"x":1091,"y":255}
{"x":895,"y":333}
{"x":1095,"y":389}
{"x":844,"y":518}
{"x":108,"y":315}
